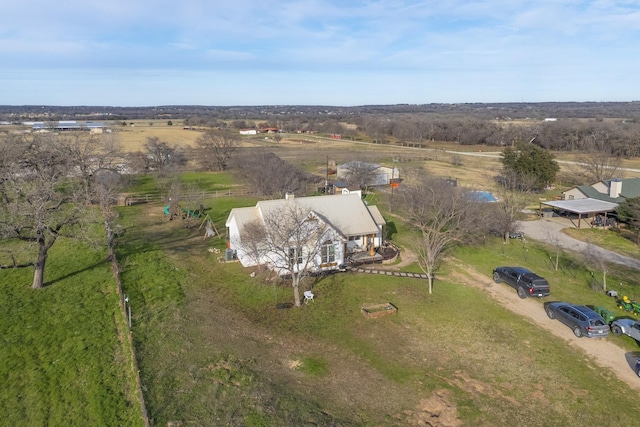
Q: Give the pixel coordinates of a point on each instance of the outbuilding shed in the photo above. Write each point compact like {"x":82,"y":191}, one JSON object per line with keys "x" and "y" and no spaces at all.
{"x":582,"y":207}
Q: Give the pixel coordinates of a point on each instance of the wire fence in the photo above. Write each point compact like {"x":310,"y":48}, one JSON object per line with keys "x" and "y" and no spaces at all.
{"x":134,"y":199}
{"x":125,"y":308}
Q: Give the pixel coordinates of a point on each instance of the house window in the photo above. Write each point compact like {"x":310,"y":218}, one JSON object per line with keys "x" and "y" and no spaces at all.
{"x":328,"y":252}
{"x":295,"y":256}
{"x":571,"y":197}
{"x":352,"y":238}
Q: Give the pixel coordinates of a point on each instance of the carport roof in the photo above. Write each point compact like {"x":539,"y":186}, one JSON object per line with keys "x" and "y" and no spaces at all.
{"x":582,"y":206}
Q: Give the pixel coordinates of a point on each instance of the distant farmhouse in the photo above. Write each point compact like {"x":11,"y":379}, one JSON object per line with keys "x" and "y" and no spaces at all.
{"x":609,"y":190}
{"x":598,"y":199}
{"x":382,"y":176}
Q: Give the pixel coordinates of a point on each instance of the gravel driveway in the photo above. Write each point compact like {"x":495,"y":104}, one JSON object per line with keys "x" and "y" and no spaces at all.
{"x":604,"y":352}
{"x":549,"y":231}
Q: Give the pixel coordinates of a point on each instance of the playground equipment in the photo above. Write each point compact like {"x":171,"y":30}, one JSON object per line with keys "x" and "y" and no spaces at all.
{"x":210,"y":227}
{"x":176,"y":211}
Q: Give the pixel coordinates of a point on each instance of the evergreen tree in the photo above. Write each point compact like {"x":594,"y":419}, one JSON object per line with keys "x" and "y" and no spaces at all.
{"x":529,"y":167}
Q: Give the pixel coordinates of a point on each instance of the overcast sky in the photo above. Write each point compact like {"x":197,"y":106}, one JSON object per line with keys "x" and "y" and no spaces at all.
{"x":317,"y":52}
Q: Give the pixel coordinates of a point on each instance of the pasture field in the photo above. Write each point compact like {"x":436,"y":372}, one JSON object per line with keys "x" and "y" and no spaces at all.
{"x":215,"y":349}
{"x":63,"y":360}
{"x":135,"y":134}
{"x":475,"y":166}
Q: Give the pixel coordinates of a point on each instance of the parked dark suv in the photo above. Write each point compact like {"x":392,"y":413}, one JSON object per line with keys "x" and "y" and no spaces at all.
{"x":581,"y":319}
{"x":526,"y":282}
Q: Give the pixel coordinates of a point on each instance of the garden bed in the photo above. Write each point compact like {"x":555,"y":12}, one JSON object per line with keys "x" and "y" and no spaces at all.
{"x":373,"y":311}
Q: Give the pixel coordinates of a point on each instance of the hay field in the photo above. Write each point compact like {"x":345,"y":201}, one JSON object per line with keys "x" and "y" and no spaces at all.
{"x":470,"y":171}
{"x":475,"y":167}
{"x":135,"y":134}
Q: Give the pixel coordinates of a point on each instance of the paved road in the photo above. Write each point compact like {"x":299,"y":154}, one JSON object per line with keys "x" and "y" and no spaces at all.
{"x":549,"y":231}
{"x":498,"y":155}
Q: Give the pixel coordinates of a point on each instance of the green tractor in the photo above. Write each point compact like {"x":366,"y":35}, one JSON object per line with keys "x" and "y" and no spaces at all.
{"x":627,"y":305}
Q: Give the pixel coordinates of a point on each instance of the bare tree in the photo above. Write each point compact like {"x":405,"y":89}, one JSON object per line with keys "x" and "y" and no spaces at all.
{"x":270,"y":175}
{"x":360,"y":173}
{"x":252,"y":237}
{"x":506,"y":212}
{"x":215,"y":148}
{"x":106,"y":188}
{"x":42,"y":202}
{"x":12,"y":148}
{"x":376,"y":129}
{"x":158,"y":157}
{"x":444,"y":216}
{"x":290,"y":241}
{"x":598,"y":160}
{"x":92,"y":153}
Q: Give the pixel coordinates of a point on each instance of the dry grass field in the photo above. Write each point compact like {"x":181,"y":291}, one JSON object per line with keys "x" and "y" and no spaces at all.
{"x":135,"y":134}
{"x":475,"y":166}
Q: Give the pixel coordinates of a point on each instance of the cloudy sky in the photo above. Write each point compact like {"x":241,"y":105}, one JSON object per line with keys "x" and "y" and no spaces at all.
{"x":317,"y":52}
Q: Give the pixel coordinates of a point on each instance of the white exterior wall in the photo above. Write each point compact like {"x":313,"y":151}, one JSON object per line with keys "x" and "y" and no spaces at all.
{"x":383,"y":174}
{"x":273,"y":259}
{"x":233,"y":234}
{"x":339,"y":255}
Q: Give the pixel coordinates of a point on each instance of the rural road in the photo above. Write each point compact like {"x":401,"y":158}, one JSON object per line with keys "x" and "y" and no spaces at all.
{"x":498,"y":155}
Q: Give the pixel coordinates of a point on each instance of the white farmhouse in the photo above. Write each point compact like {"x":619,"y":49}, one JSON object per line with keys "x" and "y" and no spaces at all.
{"x":353,"y":229}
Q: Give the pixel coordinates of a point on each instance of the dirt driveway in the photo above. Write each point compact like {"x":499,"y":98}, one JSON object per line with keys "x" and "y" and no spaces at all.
{"x":604,"y":353}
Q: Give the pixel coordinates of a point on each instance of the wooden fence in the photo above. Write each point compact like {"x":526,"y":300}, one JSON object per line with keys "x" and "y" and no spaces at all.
{"x":134,"y":199}
{"x":128,"y":199}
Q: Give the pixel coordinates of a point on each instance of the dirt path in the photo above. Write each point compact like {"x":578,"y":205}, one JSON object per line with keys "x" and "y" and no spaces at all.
{"x":602,"y":351}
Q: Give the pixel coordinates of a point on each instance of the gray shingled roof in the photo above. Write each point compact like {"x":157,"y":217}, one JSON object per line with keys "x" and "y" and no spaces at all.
{"x":347,"y":213}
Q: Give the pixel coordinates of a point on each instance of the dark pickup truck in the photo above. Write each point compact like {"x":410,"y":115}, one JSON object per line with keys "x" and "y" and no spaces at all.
{"x":526,"y":282}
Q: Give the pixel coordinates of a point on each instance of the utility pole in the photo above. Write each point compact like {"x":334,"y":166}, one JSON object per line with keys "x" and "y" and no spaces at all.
{"x":326,"y":177}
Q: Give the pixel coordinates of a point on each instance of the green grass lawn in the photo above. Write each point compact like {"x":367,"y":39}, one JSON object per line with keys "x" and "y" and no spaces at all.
{"x":62,"y":360}
{"x":215,"y":349}
{"x":607,"y":238}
